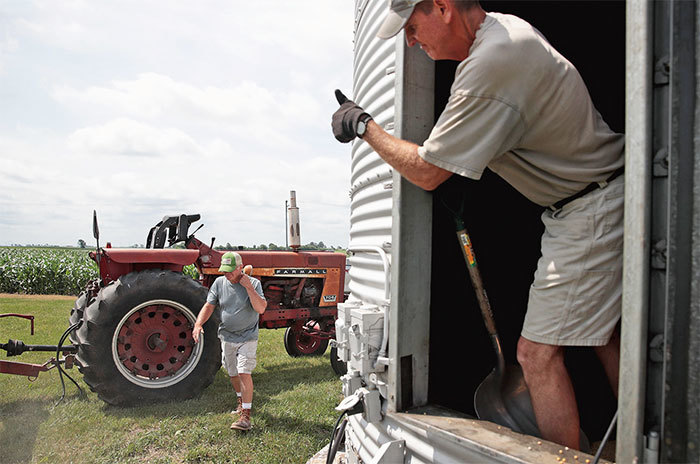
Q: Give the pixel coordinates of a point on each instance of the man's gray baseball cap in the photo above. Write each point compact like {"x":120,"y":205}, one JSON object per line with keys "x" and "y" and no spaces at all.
{"x":397,"y":17}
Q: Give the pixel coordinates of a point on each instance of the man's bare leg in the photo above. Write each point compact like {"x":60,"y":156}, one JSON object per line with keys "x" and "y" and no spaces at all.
{"x":246,"y":387}
{"x":552,"y":394}
{"x":243,"y":422}
{"x":609,"y":356}
{"x":236,"y":382}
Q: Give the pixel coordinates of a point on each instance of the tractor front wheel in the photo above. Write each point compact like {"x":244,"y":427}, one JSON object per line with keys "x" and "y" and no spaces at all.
{"x":299,"y":342}
{"x":135,"y":344}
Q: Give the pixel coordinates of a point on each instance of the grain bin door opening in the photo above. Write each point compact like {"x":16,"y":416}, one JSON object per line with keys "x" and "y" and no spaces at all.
{"x":506,"y":228}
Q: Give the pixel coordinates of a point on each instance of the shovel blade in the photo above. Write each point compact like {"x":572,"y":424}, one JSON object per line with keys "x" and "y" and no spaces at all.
{"x":503,"y":398}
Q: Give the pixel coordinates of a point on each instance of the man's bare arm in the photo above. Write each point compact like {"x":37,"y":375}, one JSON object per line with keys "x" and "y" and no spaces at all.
{"x":399,"y":154}
{"x":403,"y":156}
{"x":258,"y":302}
{"x":202,"y":318}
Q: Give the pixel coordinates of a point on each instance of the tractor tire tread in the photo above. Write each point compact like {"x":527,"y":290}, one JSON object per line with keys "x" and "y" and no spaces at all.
{"x":101,"y":317}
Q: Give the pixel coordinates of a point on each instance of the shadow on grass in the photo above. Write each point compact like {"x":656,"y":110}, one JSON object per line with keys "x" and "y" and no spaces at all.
{"x":19,"y":427}
{"x":266,"y":424}
{"x":219,"y":396}
{"x":285,"y":376}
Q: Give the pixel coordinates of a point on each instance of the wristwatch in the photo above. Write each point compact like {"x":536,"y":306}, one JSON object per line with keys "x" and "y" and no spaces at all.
{"x":362,"y":126}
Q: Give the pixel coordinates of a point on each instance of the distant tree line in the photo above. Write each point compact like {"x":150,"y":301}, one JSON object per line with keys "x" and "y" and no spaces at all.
{"x":311,"y":246}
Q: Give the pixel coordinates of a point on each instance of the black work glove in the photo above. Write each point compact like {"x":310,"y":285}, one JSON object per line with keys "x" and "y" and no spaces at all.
{"x":345,"y":119}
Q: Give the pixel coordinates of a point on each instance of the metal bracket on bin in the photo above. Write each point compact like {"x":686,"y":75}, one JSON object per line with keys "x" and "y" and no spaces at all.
{"x":362,"y":401}
{"x":381,"y":359}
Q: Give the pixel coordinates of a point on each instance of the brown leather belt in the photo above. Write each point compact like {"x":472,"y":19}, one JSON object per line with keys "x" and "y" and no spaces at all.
{"x":589,"y":188}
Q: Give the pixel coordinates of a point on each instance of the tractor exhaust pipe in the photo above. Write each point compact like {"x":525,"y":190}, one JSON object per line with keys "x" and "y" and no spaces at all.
{"x":293,"y":218}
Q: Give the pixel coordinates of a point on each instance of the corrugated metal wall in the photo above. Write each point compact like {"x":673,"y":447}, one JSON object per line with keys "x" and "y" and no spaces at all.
{"x":371,"y":178}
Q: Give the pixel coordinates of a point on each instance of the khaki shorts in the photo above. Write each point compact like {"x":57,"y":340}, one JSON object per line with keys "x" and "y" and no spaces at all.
{"x":576,"y":295}
{"x":239,"y":358}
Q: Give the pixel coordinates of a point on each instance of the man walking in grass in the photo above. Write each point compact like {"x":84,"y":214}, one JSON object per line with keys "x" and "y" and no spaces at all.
{"x":240,"y":298}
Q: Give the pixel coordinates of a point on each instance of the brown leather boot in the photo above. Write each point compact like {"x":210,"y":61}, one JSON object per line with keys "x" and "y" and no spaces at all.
{"x":239,"y":406}
{"x":243,"y":422}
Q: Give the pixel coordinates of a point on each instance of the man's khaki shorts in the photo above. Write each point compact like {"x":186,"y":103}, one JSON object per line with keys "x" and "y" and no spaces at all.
{"x":239,"y":358}
{"x":575,"y":298}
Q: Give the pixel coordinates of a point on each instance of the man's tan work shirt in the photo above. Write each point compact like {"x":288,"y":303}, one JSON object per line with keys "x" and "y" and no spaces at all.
{"x":520,"y":108}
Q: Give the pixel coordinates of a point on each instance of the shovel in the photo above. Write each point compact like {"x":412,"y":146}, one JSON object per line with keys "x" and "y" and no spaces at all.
{"x":503,"y":396}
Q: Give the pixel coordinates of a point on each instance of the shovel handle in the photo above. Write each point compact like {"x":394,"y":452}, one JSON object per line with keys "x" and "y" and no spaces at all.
{"x":470,"y":258}
{"x":482,"y":298}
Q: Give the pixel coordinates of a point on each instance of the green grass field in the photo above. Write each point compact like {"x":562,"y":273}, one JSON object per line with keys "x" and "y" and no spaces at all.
{"x":292,"y":409}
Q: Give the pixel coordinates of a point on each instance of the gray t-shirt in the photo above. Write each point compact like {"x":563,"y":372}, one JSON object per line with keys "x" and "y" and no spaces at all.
{"x":520,"y":108}
{"x":239,"y":321}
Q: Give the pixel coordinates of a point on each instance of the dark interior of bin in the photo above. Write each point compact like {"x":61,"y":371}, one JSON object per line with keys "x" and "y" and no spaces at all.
{"x":505,"y":227}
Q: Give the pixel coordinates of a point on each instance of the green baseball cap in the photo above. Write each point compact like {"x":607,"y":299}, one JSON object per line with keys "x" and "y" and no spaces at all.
{"x":230,"y":261}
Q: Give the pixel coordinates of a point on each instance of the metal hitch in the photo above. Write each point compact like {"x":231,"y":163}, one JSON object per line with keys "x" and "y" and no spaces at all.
{"x":17,"y":347}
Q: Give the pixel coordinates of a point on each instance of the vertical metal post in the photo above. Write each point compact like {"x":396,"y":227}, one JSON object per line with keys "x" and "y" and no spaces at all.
{"x":286,"y":224}
{"x":638,"y":128}
{"x":694,"y":326}
{"x":411,"y":236}
{"x":680,"y":406}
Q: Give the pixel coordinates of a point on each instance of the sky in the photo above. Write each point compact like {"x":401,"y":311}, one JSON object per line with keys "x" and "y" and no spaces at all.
{"x":142,"y":109}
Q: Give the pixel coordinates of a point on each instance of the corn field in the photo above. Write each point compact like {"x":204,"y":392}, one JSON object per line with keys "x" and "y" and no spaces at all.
{"x":49,"y":271}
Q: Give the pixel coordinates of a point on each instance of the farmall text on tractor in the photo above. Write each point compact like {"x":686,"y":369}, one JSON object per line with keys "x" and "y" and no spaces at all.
{"x":130,"y":330}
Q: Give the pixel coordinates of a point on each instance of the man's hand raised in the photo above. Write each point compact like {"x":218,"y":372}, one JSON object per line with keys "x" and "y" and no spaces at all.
{"x":246,"y":282}
{"x":346,"y":118}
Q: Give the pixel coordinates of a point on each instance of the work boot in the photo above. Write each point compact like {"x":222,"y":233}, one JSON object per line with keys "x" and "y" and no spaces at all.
{"x":243,"y":422}
{"x":239,"y":406}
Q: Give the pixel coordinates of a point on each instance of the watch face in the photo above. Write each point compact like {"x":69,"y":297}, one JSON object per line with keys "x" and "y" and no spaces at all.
{"x":361,"y":128}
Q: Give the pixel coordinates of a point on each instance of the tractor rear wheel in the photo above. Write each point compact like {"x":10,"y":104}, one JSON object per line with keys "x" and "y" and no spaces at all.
{"x":76,"y":314}
{"x":135,"y":344}
{"x":297,"y":342}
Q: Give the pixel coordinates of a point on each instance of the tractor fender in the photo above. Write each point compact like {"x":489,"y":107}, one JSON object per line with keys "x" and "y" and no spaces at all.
{"x":136,"y":255}
{"x":116,"y":262}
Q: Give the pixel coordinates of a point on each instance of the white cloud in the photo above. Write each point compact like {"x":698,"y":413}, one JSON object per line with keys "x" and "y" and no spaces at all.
{"x":131,"y":138}
{"x":153,"y":96}
{"x":8,"y":46}
{"x":255,"y":116}
{"x":145,"y":108}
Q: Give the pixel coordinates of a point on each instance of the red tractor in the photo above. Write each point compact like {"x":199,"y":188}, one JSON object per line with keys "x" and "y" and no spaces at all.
{"x":135,"y":342}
